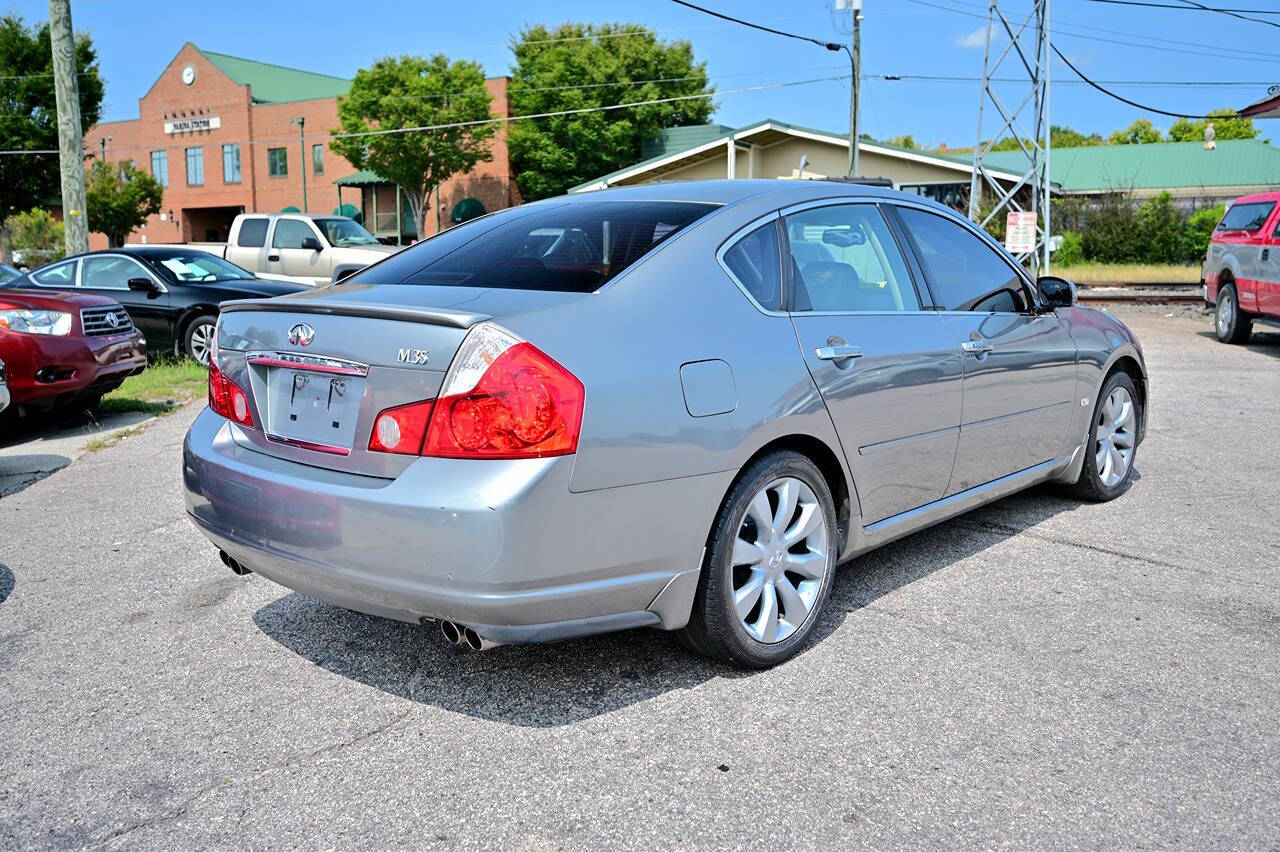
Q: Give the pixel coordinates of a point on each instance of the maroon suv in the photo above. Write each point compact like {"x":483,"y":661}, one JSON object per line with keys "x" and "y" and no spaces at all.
{"x":62,"y":349}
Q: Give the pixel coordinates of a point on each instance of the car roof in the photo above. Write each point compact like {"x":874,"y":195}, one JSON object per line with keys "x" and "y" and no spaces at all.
{"x":1273,"y":195}
{"x":729,"y":191}
{"x":139,"y":250}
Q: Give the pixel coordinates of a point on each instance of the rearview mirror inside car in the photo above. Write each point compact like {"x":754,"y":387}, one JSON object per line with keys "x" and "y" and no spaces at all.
{"x":141,"y":285}
{"x":1056,"y":292}
{"x":843,"y":237}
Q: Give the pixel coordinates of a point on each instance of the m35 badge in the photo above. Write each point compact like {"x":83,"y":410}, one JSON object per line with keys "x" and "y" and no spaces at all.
{"x":415,"y":357}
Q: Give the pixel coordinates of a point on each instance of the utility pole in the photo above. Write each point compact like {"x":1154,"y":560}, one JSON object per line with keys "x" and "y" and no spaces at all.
{"x":70,"y":137}
{"x":302,"y":157}
{"x":855,"y":62}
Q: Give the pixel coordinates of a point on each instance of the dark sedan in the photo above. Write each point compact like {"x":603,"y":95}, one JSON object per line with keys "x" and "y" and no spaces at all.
{"x":171,"y":293}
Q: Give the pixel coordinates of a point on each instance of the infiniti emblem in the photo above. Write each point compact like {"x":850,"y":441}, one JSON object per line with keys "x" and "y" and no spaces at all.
{"x":302,"y":334}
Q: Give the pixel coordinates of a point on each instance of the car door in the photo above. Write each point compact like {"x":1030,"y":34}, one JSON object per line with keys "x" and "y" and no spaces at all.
{"x":1269,"y":272}
{"x":887,"y":367}
{"x":109,"y":275}
{"x":250,"y":247}
{"x":288,"y":255}
{"x":1019,"y":363}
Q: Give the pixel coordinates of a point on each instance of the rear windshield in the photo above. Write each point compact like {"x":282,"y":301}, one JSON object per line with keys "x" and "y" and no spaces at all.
{"x":574,"y":246}
{"x":1246,"y":217}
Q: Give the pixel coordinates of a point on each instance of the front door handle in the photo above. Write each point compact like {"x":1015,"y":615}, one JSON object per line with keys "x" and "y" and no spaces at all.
{"x":1266,"y":253}
{"x":273,"y":257}
{"x":976,"y":346}
{"x":838,"y":352}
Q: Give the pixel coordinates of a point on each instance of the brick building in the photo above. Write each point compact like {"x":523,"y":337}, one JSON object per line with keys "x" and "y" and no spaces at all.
{"x":222,"y":134}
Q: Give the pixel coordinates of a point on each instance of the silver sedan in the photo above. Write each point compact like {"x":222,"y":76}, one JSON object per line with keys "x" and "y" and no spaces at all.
{"x":678,"y":406}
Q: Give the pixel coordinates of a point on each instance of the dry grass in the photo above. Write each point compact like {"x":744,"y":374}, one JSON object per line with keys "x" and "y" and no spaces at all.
{"x":111,"y":439}
{"x":161,"y":388}
{"x":1130,"y":273}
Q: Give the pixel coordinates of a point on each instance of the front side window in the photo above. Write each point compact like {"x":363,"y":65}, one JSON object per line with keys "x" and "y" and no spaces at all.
{"x":844,"y":258}
{"x":317,"y":159}
{"x":195,"y":167}
{"x":964,"y":272}
{"x":109,"y":272}
{"x":160,"y":166}
{"x":290,"y":233}
{"x":345,"y":232}
{"x":230,"y":163}
{"x":198,"y":268}
{"x":755,"y":262}
{"x":253,"y":233}
{"x":1246,"y":217}
{"x":574,"y":246}
{"x":277,"y":162}
{"x":59,"y":275}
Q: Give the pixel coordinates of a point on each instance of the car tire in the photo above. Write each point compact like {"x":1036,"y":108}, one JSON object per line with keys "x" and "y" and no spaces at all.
{"x":774,"y":575}
{"x":197,"y":339}
{"x":1229,"y":323}
{"x":1113,"y":441}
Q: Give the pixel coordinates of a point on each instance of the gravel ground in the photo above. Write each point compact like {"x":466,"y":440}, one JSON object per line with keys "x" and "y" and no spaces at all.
{"x":1036,"y":673}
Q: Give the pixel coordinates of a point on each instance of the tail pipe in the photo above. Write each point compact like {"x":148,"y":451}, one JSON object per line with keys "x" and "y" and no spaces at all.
{"x":465,"y":637}
{"x":236,"y":567}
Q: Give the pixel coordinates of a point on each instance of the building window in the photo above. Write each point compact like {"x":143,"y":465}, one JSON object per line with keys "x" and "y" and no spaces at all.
{"x":317,"y":159}
{"x":230,"y":163}
{"x":160,"y":166}
{"x":277,"y":162}
{"x":195,"y":167}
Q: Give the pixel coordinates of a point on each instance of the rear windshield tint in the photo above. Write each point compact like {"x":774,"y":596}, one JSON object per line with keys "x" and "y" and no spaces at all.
{"x":575,"y":246}
{"x":1246,"y":217}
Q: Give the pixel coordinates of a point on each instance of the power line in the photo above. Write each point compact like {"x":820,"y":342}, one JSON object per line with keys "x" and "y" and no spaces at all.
{"x":829,"y":45}
{"x":1122,"y":98}
{"x":1231,"y":13}
{"x":1150,"y":5}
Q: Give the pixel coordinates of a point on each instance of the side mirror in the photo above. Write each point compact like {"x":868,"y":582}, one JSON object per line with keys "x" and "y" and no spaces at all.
{"x":141,"y":285}
{"x":311,"y":243}
{"x":1056,"y":292}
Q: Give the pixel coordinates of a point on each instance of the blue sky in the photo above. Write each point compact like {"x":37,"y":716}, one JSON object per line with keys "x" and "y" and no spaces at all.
{"x":137,"y":38}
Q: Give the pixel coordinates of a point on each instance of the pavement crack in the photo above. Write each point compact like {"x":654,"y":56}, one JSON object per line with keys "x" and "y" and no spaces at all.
{"x":209,"y":789}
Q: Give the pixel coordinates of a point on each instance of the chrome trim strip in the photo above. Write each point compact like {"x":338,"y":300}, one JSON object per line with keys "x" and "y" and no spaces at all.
{"x":1003,"y":418}
{"x":310,"y":363}
{"x":308,"y":445}
{"x":893,"y":443}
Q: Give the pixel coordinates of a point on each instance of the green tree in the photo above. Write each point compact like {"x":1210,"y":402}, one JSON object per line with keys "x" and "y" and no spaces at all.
{"x":583,"y":66}
{"x":1141,"y":132}
{"x":409,"y":92}
{"x":906,"y":140}
{"x":1226,"y":125}
{"x":1200,"y":225}
{"x":1066,"y":137}
{"x":120,"y":198}
{"x":37,"y":235}
{"x":29,"y":116}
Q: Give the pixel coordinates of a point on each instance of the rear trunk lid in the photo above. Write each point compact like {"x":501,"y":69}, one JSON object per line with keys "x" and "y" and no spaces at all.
{"x":319,"y":366}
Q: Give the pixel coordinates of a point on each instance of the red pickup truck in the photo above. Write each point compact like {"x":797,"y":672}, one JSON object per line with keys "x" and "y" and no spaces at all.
{"x":1241,"y":271}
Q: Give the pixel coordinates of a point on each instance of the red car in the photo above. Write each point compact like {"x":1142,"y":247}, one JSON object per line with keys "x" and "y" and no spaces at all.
{"x":62,"y":349}
{"x":1242,"y":267}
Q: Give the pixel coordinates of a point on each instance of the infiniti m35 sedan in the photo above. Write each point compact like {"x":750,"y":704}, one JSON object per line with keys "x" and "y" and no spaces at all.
{"x":676,"y":405}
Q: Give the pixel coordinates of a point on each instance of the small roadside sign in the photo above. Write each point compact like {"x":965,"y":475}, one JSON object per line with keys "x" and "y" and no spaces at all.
{"x":1020,"y":232}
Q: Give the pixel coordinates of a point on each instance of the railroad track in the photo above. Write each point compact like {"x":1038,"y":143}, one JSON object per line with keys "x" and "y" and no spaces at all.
{"x":1153,"y":292}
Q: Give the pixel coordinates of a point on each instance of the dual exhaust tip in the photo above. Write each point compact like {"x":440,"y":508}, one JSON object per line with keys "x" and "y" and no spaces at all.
{"x":236,"y":567}
{"x":466,"y":637}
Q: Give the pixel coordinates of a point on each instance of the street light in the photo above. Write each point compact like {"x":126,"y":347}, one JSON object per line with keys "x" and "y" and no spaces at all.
{"x":302,"y":157}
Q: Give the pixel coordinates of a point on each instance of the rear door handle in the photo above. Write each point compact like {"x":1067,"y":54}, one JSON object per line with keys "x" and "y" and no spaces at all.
{"x":976,"y":346}
{"x":838,"y":352}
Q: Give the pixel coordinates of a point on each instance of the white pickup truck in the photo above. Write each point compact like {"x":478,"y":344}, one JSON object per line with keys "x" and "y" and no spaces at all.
{"x":308,"y":246}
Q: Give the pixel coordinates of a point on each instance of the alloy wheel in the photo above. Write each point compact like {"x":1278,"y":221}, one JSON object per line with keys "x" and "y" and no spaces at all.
{"x":201,"y":340}
{"x":1225,"y":313}
{"x":779,"y":560}
{"x":1114,"y":438}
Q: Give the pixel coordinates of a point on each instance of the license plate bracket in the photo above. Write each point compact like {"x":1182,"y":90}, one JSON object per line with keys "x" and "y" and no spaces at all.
{"x":316,"y":410}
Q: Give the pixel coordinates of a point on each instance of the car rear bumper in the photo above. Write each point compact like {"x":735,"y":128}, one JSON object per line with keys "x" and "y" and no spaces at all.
{"x":78,"y":365}
{"x":500,"y":546}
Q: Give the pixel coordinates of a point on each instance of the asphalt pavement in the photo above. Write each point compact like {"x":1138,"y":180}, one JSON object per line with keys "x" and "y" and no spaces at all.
{"x":1039,"y":672}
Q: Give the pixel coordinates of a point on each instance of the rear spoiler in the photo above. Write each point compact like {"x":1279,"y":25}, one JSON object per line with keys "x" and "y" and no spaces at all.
{"x":404,"y":313}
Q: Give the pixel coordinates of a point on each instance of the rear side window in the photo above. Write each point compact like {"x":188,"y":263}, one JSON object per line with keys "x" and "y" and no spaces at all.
{"x":1246,"y":217}
{"x":60,"y":275}
{"x":754,"y":261}
{"x":964,"y":272}
{"x":575,"y":246}
{"x":844,"y":259}
{"x":253,"y":233}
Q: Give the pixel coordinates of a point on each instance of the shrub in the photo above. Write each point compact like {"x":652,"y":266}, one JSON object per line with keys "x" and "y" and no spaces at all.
{"x":1200,"y":225}
{"x":38,"y":236}
{"x":1071,"y":252}
{"x":1162,"y":231}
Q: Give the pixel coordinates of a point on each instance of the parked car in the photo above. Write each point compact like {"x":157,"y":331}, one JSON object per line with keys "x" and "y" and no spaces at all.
{"x":4,"y":389}
{"x":8,"y":273}
{"x":171,"y":293}
{"x":65,"y":349}
{"x":1241,"y":273}
{"x":677,"y":405}
{"x":308,"y":246}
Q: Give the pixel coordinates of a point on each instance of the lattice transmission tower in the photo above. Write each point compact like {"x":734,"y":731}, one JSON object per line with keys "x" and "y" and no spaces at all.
{"x":1017,"y":49}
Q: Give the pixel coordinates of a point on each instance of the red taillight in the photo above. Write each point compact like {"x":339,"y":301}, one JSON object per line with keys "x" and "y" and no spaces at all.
{"x":401,"y":429}
{"x":226,"y":398}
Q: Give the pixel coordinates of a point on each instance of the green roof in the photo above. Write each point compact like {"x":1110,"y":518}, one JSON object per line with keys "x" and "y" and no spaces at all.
{"x":676,"y":139}
{"x":1159,"y":165}
{"x":273,"y":84}
{"x":364,"y":177}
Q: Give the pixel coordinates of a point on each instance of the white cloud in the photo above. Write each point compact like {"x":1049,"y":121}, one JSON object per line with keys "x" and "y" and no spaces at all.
{"x":977,"y":38}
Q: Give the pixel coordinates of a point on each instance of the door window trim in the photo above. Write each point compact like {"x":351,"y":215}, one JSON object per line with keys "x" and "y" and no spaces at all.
{"x":1029,"y":289}
{"x":155,"y":279}
{"x":71,"y":284}
{"x":740,"y":235}
{"x":788,"y":271}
